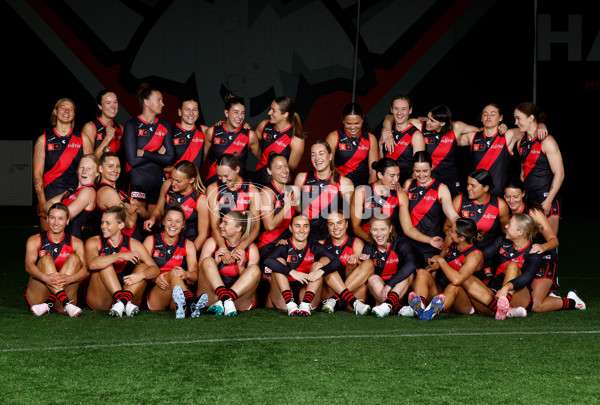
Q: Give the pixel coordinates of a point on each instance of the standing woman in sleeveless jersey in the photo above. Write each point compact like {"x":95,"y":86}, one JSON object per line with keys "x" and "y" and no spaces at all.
{"x":323,"y":190}
{"x":148,"y":146}
{"x":232,"y":192}
{"x":103,"y":132}
{"x":176,"y":259}
{"x":448,"y":271}
{"x":55,"y":262}
{"x":56,"y":154}
{"x":120,"y":267}
{"x":231,"y":287}
{"x":108,"y":195}
{"x":188,"y":136}
{"x":80,"y":200}
{"x":402,"y":138}
{"x":542,"y":167}
{"x":230,"y":137}
{"x":282,"y":133}
{"x":184,"y":189}
{"x":355,"y":149}
{"x":429,"y":204}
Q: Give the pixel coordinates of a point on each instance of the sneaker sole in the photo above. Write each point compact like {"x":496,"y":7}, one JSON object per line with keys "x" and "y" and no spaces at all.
{"x":416,"y":304}
{"x":437,"y":304}
{"x":198,"y":305}
{"x":502,"y":308}
{"x":179,"y":299}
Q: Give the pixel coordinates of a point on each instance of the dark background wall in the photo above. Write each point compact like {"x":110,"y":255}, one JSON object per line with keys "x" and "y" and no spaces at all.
{"x":461,"y":53}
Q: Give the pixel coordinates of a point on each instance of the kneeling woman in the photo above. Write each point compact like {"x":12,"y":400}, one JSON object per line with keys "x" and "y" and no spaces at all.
{"x":395,"y":265}
{"x":120,"y":267}
{"x":55,"y":261}
{"x":175,"y":257}
{"x":461,"y":260}
{"x":230,"y":287}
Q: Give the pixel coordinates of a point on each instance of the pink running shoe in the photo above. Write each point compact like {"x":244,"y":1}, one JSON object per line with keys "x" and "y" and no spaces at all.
{"x":518,"y":312}
{"x":502,"y":308}
{"x":72,"y":310}
{"x":40,"y":309}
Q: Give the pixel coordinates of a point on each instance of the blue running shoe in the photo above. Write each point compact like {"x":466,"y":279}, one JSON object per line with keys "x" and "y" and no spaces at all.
{"x":434,"y":308}
{"x":179,"y":299}
{"x":416,"y":304}
{"x":196,"y":306}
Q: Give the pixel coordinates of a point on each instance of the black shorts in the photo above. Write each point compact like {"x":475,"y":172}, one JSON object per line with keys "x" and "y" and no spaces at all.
{"x":144,"y":194}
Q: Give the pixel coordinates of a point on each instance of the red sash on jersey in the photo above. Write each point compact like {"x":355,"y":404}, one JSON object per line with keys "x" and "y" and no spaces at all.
{"x":532,"y":157}
{"x":442,"y":150}
{"x":403,"y":143}
{"x":240,"y":142}
{"x":492,"y":153}
{"x":59,"y":257}
{"x":70,"y":151}
{"x":195,"y":147}
{"x":325,"y":198}
{"x":115,"y":143}
{"x":360,"y":154}
{"x":176,"y":259}
{"x":277,"y":147}
{"x":422,"y":208}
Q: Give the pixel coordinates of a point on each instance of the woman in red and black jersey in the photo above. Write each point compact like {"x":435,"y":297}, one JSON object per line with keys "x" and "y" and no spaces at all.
{"x":355,"y":148}
{"x":56,"y":155}
{"x":230,"y":137}
{"x":81,"y":200}
{"x":282,"y":134}
{"x":103,"y":132}
{"x":176,"y":259}
{"x":56,"y":263}
{"x":231,"y":287}
{"x":184,"y":189}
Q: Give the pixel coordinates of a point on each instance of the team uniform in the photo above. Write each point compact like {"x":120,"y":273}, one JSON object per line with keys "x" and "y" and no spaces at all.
{"x":319,"y":199}
{"x":268,"y":239}
{"x":352,"y":156}
{"x":230,"y":272}
{"x":272,"y":141}
{"x":233,"y":200}
{"x":537,"y":174}
{"x":394,"y":264}
{"x":224,"y":142}
{"x":189,"y":145}
{"x":403,"y":150}
{"x":299,"y":259}
{"x":134,"y":232}
{"x":343,"y":251}
{"x":145,"y":173}
{"x":122,"y":267}
{"x":168,"y":256}
{"x":427,"y":216}
{"x":62,"y":155}
{"x":59,"y":251}
{"x":456,"y":259}
{"x":115,"y":144}
{"x":442,"y":149}
{"x":492,"y":154}
{"x":77,"y":225}
{"x":380,"y":206}
{"x":487,"y":218}
{"x":188,"y":202}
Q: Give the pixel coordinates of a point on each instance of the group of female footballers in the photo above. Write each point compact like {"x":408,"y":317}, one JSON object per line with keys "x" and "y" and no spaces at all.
{"x":379,"y":224}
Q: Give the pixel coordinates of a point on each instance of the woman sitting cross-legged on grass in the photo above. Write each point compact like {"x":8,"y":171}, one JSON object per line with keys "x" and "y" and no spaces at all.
{"x":444,"y":277}
{"x":395,"y":266}
{"x":230,"y":287}
{"x":299,"y":268}
{"x":176,"y":258}
{"x":56,"y":264}
{"x":517,"y":265}
{"x":354,"y":274}
{"x":120,"y":267}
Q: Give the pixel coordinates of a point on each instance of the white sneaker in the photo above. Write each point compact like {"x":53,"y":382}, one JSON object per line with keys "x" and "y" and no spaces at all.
{"x":518,"y":312}
{"x":179,"y":300}
{"x":131,"y":309}
{"x":40,"y":309}
{"x":304,"y":309}
{"x":117,"y":309}
{"x":197,"y":305}
{"x":360,"y":308}
{"x":229,"y":308}
{"x":407,"y":312}
{"x":579,"y":304}
{"x":329,"y":305}
{"x":216,"y":308}
{"x":72,"y":310}
{"x":382,"y":310}
{"x":292,"y":308}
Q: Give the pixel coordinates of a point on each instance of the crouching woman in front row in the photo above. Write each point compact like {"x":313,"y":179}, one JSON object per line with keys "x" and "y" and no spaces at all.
{"x":119,"y":265}
{"x":230,"y":280}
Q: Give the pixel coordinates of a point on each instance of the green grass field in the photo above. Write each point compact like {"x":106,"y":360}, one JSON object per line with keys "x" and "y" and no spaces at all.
{"x":265,"y":357}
